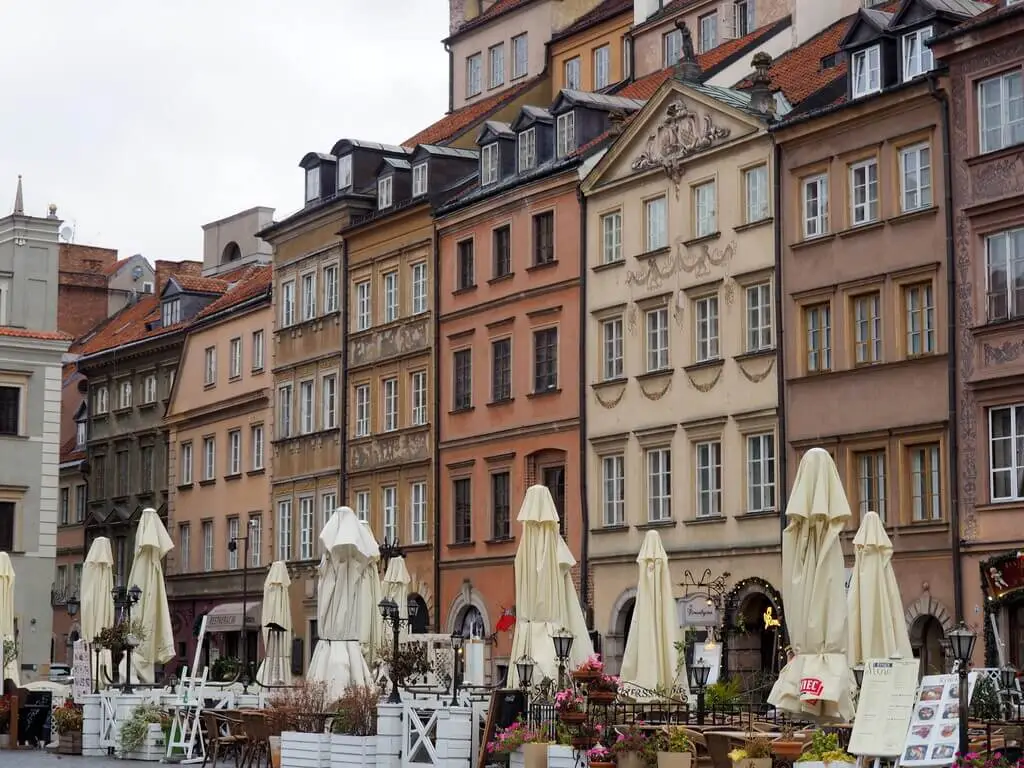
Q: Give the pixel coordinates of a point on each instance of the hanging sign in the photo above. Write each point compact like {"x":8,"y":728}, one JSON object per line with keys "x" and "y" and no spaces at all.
{"x":695,"y":611}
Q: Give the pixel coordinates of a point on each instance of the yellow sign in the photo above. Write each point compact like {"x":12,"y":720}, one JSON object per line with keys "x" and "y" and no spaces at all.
{"x":769,"y":620}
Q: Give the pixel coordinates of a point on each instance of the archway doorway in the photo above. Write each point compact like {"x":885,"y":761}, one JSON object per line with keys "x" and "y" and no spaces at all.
{"x":472,"y":624}
{"x":421,"y":621}
{"x":926,"y":636}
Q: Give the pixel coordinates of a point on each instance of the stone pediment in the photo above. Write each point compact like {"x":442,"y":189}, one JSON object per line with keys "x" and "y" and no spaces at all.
{"x":681,"y":133}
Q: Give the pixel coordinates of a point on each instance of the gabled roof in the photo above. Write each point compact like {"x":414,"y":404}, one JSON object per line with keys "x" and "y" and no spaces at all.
{"x":529,"y":115}
{"x":127,"y":326}
{"x":25,"y":333}
{"x":394,"y":162}
{"x":452,"y":152}
{"x":606,"y":10}
{"x":877,"y":21}
{"x":593,"y":101}
{"x":256,"y":282}
{"x":194,"y":284}
{"x":994,"y":14}
{"x":343,"y":145}
{"x":68,"y":452}
{"x":496,"y":129}
{"x":313,"y":159}
{"x":500,"y":8}
{"x":113,"y":269}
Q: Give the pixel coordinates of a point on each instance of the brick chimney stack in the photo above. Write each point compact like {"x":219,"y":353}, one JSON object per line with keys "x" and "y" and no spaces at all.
{"x":166,"y":269}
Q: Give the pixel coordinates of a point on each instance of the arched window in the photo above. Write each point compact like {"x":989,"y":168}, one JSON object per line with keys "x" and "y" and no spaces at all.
{"x":231,"y":253}
{"x":473,"y":623}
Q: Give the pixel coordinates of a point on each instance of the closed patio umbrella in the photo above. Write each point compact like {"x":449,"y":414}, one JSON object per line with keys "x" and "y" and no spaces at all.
{"x":276,"y":667}
{"x":152,"y":543}
{"x":396,"y":587}
{"x":10,"y":671}
{"x":370,"y":592}
{"x":97,"y":603}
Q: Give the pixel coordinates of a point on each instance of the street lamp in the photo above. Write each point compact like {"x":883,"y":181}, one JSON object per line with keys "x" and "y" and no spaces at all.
{"x":1007,"y":679}
{"x":699,"y":674}
{"x":858,"y":675}
{"x":524,"y":667}
{"x":125,"y":599}
{"x":233,"y":547}
{"x":563,"y":647}
{"x":389,"y":613}
{"x":961,"y":642}
{"x":388,"y":550}
{"x":457,"y":642}
{"x":72,"y":605}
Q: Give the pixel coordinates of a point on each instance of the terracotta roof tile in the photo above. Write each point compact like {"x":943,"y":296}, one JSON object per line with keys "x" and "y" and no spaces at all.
{"x":25,"y":333}
{"x":201,"y":284}
{"x":500,"y":8}
{"x":454,"y":124}
{"x":68,"y":452}
{"x":111,"y":269}
{"x":127,"y":326}
{"x":602,"y":12}
{"x":252,"y":285}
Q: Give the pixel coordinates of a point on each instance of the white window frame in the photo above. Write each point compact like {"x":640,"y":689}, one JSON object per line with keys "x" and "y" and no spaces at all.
{"x":1004,"y":133}
{"x":755,"y":194}
{"x":331,"y":283}
{"x":210,"y":366}
{"x":761,"y":472}
{"x":287,"y":303}
{"x":496,"y":65}
{"x":307,"y":525}
{"x":760,"y":317}
{"x":419,"y":179}
{"x":124,"y":394}
{"x":81,"y":432}
{"x":384,"y":190}
{"x":329,"y":401}
{"x":418,"y":390}
{"x":419,"y":288}
{"x":170,"y":312}
{"x":864,"y":192}
{"x":823,"y":314}
{"x":207,"y":545}
{"x":866,"y":72}
{"x":744,"y":18}
{"x":867,"y":328}
{"x":391,"y":296}
{"x":672,"y":47}
{"x":526,"y":143}
{"x":328,"y":503}
{"x":708,"y":478}
{"x":344,"y":176}
{"x":362,"y":507}
{"x":657,"y":339}
{"x":307,"y":405}
{"x":284,"y":410}
{"x":520,"y":64}
{"x":474,"y":75}
{"x":418,"y":513}
{"x":871,"y":467}
{"x":565,"y":133}
{"x":257,"y":350}
{"x":611,"y":237}
{"x":101,"y":400}
{"x":389,"y":514}
{"x":658,"y":471}
{"x":255,"y":534}
{"x":929,"y":483}
{"x":613,"y":490}
{"x":916,"y":177}
{"x":815,"y":209}
{"x":613,"y":364}
{"x":209,"y":458}
{"x":489,"y":171}
{"x":917,"y":56}
{"x":186,"y":461}
{"x":235,"y":452}
{"x":309,"y":296}
{"x":362,"y":409}
{"x":284,"y":529}
{"x":364,"y":305}
{"x":256,"y":438}
{"x":389,"y":404}
{"x":707,"y":32}
{"x":312,"y":183}
{"x":572,"y":71}
{"x":655,"y":223}
{"x":706,"y":327}
{"x":149,"y":389}
{"x":1012,"y":265}
{"x":235,"y":357}
{"x":602,"y":67}
{"x":185,"y":546}
{"x":705,"y":218}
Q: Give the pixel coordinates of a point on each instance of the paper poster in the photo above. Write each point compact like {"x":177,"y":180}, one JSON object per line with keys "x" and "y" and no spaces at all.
{"x":81,"y":671}
{"x":934,"y":734}
{"x":885,"y":706}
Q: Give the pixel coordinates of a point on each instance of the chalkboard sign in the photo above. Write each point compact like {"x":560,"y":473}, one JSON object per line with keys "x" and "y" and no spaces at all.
{"x":34,"y":718}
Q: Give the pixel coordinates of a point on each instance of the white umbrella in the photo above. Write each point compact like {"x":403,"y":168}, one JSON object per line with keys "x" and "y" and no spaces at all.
{"x":817,"y":682}
{"x":152,"y":543}
{"x":338,"y":659}
{"x":371,"y":626}
{"x":546,"y":599}
{"x":10,"y":671}
{"x":97,"y":602}
{"x":276,"y":667}
{"x":650,"y":658}
{"x":877,"y":627}
{"x":396,"y":587}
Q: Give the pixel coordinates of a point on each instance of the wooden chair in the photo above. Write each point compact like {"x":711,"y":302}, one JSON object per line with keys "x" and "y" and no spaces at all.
{"x":719,"y":746}
{"x":220,"y":741}
{"x":258,"y":732}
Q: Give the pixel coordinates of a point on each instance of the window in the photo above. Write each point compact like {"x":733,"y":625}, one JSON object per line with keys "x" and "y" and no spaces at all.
{"x":761,"y":472}
{"x":170,"y":312}
{"x":256,"y":438}
{"x":744,"y":22}
{"x":419,"y":288}
{"x":501,"y":504}
{"x":1001,"y":106}
{"x":184,"y":546}
{"x":463,"y":372}
{"x":331,"y":288}
{"x":307,"y":522}
{"x":255,"y":540}
{"x":81,"y":433}
{"x":602,"y":67}
{"x":709,"y":479}
{"x":309,"y":296}
{"x":208,"y":546}
{"x":755,"y":188}
{"x":657,"y":339}
{"x":871,"y":482}
{"x":866,"y":72}
{"x":707,"y":329}
{"x":232,"y":536}
{"x":919,"y":301}
{"x":257,"y":350}
{"x":545,"y":360}
{"x":328,"y":503}
{"x":612,"y":349}
{"x":185,"y":471}
{"x":704,"y":218}
{"x":613,"y":489}
{"x":362,"y":410}
{"x":235,"y":358}
{"x":65,"y":505}
{"x":867,"y":328}
{"x":210,"y":367}
{"x":306,"y":422}
{"x":565,"y":134}
{"x":815,"y":206}
{"x":501,"y":370}
{"x":655,"y":224}
{"x":148,"y":389}
{"x":312,"y":183}
{"x":864,"y":192}
{"x":81,"y":501}
{"x":917,"y":56}
{"x":123,"y":472}
{"x":384,"y":193}
{"x":818,"y":325}
{"x":916,"y":177}
{"x":462,"y":490}
{"x":572,"y":74}
{"x":418,"y":513}
{"x":419,"y":179}
{"x":544,"y":238}
{"x":390,"y":297}
{"x":527,"y":144}
{"x":287,"y":303}
{"x":627,"y":57}
{"x":363,"y":506}
{"x":209,"y":458}
{"x":1006,"y":434}
{"x":147,"y":465}
{"x":611,"y":237}
{"x":925,"y":482}
{"x":418,"y":387}
{"x":520,"y":56}
{"x":390,"y":405}
{"x":759,"y":317}
{"x":1004,"y":260}
{"x":364,"y":317}
{"x":496,"y":60}
{"x":345,"y":172}
{"x":489,"y":172}
{"x":473,"y":75}
{"x":708,"y":32}
{"x":673,"y":47}
{"x":284,"y":529}
{"x":501,"y":252}
{"x":329,"y":401}
{"x":659,"y":483}
{"x":466,"y":277}
{"x":284,"y":411}
{"x":99,"y":400}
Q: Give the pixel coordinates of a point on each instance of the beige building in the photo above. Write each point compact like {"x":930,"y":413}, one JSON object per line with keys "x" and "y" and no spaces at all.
{"x":681,"y":413}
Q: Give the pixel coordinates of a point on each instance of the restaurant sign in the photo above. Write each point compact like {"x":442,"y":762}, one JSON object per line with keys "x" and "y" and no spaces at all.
{"x":696,"y":611}
{"x":1004,"y":574}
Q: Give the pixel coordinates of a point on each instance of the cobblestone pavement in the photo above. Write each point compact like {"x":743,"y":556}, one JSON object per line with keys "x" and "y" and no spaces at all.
{"x":40,"y":758}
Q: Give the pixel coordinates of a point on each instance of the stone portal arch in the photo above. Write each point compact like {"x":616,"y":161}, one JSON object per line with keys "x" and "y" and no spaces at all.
{"x":618,"y":629}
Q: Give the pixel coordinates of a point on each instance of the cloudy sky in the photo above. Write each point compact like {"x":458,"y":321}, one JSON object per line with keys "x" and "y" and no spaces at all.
{"x":144,"y":119}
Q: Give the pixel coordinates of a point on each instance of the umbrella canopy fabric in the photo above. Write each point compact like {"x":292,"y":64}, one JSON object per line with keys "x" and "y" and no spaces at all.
{"x":650,"y":658}
{"x":546,"y":599}
{"x":396,"y":587}
{"x":877,"y":627}
{"x":370,"y":591}
{"x":276,"y":667}
{"x":97,"y":603}
{"x":152,"y":543}
{"x":817,"y":682}
{"x":348,"y":549}
{"x":10,"y":671}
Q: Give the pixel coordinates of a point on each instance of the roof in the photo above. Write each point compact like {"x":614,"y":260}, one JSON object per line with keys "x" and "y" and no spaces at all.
{"x":68,"y":452}
{"x":461,"y":154}
{"x":499,"y":129}
{"x":991,"y":16}
{"x":26,"y":333}
{"x":113,"y":269}
{"x":194,"y":284}
{"x":500,"y":8}
{"x":602,"y":12}
{"x":396,"y":162}
{"x":597,"y":100}
{"x":456,"y":123}
{"x":257,"y":281}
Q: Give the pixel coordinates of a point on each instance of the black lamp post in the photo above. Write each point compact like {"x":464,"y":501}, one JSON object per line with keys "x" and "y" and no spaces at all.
{"x":233,"y":547}
{"x":389,"y":613}
{"x":858,"y":675}
{"x":699,"y":674}
{"x":71,"y":605}
{"x":524,"y":667}
{"x":1007,"y":678}
{"x":457,"y":642}
{"x":124,"y":599}
{"x":563,"y":647}
{"x":961,"y":642}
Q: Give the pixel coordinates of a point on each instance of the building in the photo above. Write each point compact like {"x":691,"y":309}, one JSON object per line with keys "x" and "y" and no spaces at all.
{"x":593,"y":53}
{"x":31,"y":351}
{"x":865,"y":300}
{"x":232,"y":242}
{"x":218,"y":423}
{"x":390,"y":376}
{"x":94,"y":285}
{"x":985,"y":56}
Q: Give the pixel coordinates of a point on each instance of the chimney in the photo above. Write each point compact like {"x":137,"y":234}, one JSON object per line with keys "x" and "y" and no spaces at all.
{"x":760,"y":90}
{"x":687,"y":69}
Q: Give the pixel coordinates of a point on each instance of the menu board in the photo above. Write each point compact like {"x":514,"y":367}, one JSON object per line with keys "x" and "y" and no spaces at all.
{"x":934,"y":735}
{"x":888,"y":693}
{"x":81,"y":671}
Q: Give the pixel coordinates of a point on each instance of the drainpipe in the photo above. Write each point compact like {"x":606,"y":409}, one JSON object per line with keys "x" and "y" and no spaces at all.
{"x":437,"y":429}
{"x":343,"y":464}
{"x":451,"y":77}
{"x":584,"y":506}
{"x":951,"y":352}
{"x":780,"y":359}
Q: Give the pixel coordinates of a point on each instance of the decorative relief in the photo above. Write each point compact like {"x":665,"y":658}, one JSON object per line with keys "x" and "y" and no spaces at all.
{"x":697,"y":262}
{"x":999,"y":178}
{"x":708,"y":385}
{"x":679,"y":135}
{"x":611,"y":402}
{"x":397,"y":449}
{"x":656,"y":395}
{"x":756,"y":378}
{"x":1007,"y":352}
{"x":391,"y":342}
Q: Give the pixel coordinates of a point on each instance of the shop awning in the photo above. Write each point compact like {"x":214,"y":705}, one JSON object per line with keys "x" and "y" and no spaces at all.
{"x":227,"y":617}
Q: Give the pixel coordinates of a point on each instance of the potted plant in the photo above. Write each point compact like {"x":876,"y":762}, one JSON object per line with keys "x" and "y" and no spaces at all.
{"x":511,"y":741}
{"x":674,"y":748}
{"x":824,"y":750}
{"x":68,"y":719}
{"x":141,"y":735}
{"x":787,"y":746}
{"x":570,"y":707}
{"x":354,"y":727}
{"x":633,"y":748}
{"x":600,"y":757}
{"x":755,"y":753}
{"x":603,"y":689}
{"x":5,"y":720}
{"x":303,"y":712}
{"x":591,"y":669}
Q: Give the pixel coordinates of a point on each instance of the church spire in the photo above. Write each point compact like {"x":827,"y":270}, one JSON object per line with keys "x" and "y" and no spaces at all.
{"x":19,"y":203}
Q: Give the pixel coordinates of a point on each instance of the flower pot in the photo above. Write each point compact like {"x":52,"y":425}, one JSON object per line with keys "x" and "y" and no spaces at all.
{"x":675,"y":759}
{"x":585,"y":675}
{"x":595,"y":764}
{"x":70,"y":743}
{"x":535,"y":756}
{"x":573,"y":717}
{"x":630,"y":760}
{"x":583,"y":743}
{"x":753,"y":762}
{"x":787,"y":749}
{"x":517,"y":759}
{"x":601,"y":697}
{"x":352,"y":750}
{"x":809,"y":764}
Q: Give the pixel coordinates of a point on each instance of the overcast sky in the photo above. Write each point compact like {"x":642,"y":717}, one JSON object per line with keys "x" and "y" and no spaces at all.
{"x":144,"y":119}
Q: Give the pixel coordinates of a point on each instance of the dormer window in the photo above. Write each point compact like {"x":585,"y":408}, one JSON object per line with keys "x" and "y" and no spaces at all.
{"x":419,"y":179}
{"x":312,"y":183}
{"x":917,"y":56}
{"x":867,"y":71}
{"x":565,"y":134}
{"x":527,"y":149}
{"x":383,"y":193}
{"x":170,"y":312}
{"x":81,"y":433}
{"x":345,"y":172}
{"x":489,"y":164}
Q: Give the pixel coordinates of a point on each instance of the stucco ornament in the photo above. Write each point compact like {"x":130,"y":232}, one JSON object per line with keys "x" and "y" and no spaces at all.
{"x":679,"y":135}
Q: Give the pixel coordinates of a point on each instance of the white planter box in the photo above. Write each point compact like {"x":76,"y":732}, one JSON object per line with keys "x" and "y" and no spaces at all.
{"x":152,"y":750}
{"x":561,"y":757}
{"x":305,"y":750}
{"x":516,"y":759}
{"x":352,"y":750}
